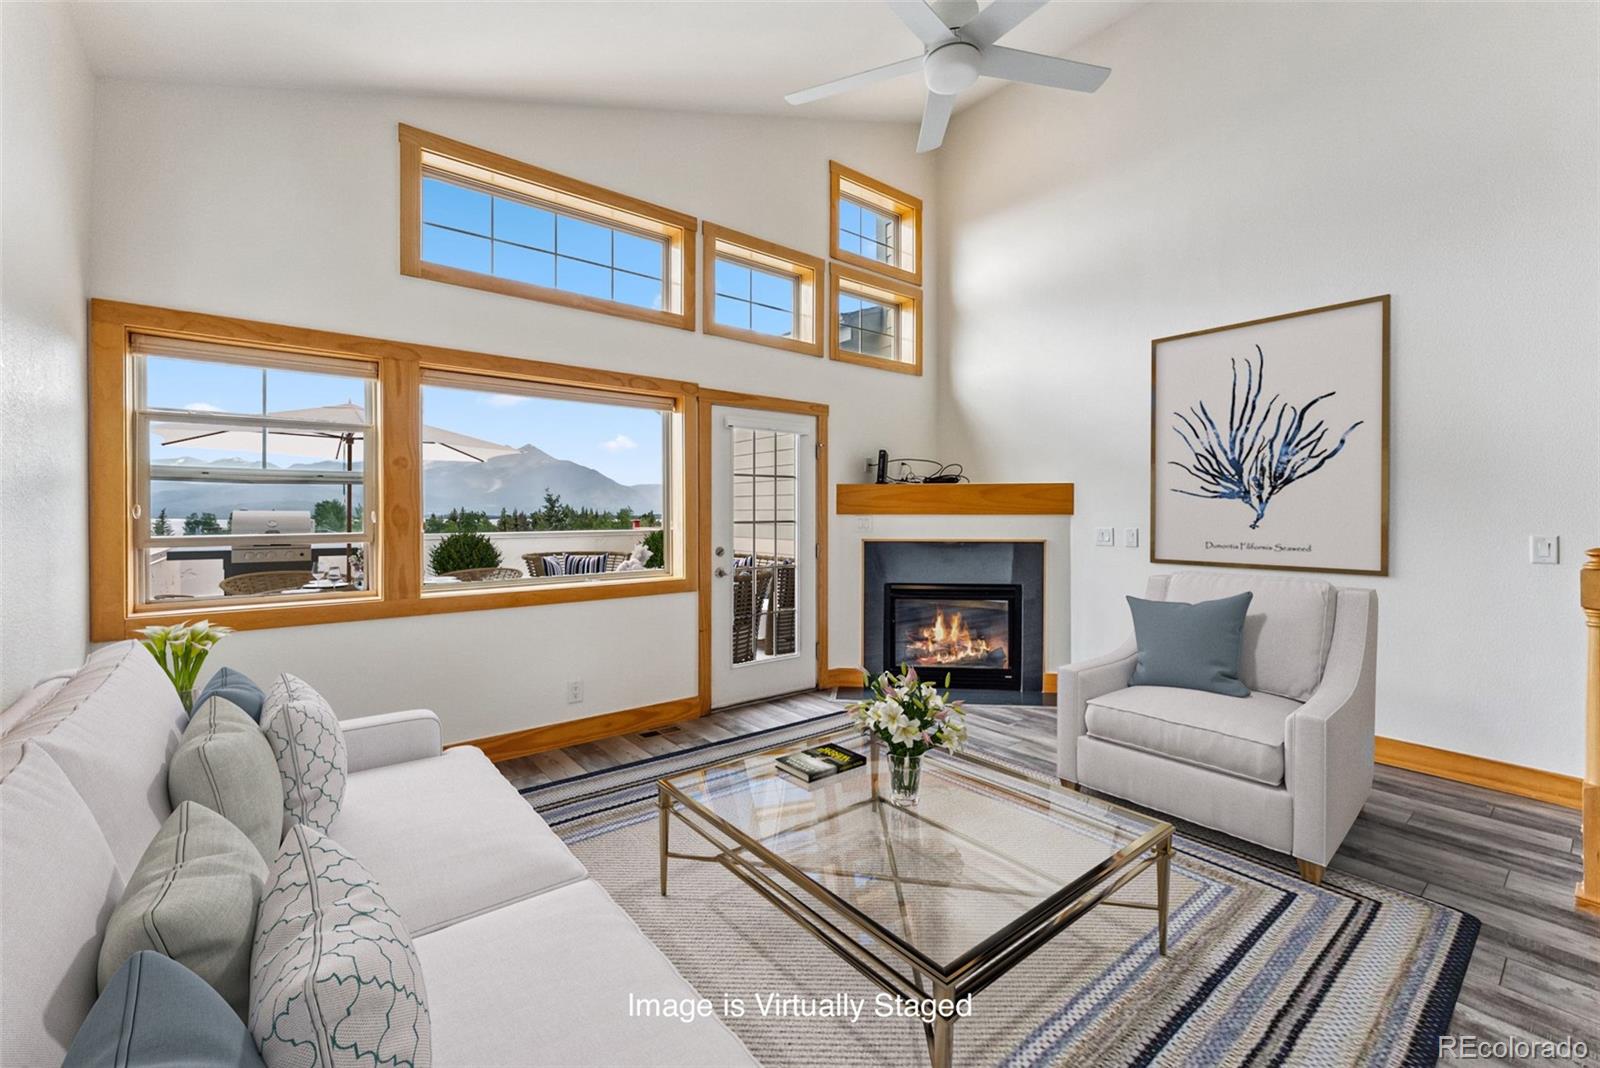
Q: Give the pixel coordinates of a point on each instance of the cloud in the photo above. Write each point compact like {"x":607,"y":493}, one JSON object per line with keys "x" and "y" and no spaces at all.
{"x":620,"y":443}
{"x":504,"y":400}
{"x":201,"y":406}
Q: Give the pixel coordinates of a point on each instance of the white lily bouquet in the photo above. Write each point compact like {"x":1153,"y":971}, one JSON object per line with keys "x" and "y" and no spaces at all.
{"x":911,"y":717}
{"x":181,"y":650}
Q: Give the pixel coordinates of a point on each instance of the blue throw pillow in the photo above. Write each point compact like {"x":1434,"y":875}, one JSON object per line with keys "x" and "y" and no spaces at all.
{"x":1191,"y":646}
{"x":236,"y":688}
{"x":155,"y":1012}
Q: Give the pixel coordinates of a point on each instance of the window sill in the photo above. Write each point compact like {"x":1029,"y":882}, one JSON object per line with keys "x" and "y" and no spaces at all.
{"x":372,"y":606}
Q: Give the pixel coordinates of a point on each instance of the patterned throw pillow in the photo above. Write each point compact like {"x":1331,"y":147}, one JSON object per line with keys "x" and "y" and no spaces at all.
{"x":309,"y":748}
{"x":555,"y":565}
{"x":334,"y":980}
{"x":586,"y":565}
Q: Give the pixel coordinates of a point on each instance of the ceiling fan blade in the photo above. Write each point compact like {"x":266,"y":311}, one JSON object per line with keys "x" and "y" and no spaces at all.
{"x":1030,"y":67}
{"x":855,"y":81}
{"x":998,"y":19}
{"x":922,"y":21}
{"x":935,"y":117}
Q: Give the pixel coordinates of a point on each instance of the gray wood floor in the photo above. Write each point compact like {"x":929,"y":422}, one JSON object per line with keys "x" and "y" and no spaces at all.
{"x":1511,"y":862}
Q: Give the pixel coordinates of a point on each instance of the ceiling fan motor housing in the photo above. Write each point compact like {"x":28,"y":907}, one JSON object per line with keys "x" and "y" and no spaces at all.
{"x":951,"y":68}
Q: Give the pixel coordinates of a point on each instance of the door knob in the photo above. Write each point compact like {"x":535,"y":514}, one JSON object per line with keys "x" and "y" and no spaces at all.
{"x":721,"y":573}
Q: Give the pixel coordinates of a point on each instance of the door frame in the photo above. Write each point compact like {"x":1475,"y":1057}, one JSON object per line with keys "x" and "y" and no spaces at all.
{"x":709,"y":398}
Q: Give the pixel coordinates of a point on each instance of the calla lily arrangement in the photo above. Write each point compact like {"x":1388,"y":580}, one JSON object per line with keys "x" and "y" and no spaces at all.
{"x":910,"y":715}
{"x":180,"y":650}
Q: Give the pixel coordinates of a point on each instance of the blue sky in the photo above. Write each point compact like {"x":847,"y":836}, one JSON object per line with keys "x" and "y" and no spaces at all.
{"x":621,"y":442}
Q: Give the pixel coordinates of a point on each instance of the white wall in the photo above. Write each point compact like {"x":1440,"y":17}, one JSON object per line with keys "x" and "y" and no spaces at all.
{"x":46,"y":94}
{"x":1250,"y":159}
{"x":283,"y":206}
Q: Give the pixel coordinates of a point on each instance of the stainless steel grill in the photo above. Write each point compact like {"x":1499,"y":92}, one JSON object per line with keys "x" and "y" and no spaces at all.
{"x":267,"y":523}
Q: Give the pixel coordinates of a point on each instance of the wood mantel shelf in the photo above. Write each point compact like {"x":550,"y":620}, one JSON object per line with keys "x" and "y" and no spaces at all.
{"x":954,"y":498}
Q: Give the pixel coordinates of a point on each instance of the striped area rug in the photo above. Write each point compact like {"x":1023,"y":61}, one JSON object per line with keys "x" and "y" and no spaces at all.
{"x":1262,"y":968}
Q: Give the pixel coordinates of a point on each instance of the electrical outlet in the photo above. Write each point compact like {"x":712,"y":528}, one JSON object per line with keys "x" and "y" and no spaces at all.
{"x":864,"y":524}
{"x":1130,"y":537}
{"x":1105,"y":536}
{"x":575,"y":692}
{"x":1544,"y":549}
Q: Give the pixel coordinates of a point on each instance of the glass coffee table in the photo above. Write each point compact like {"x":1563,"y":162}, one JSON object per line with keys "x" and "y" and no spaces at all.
{"x":951,"y":893}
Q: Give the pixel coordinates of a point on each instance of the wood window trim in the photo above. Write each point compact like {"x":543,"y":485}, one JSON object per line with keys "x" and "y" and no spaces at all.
{"x":708,"y":399}
{"x":810,"y":270}
{"x":679,"y":230}
{"x":884,"y":196}
{"x":396,"y":567}
{"x":907,"y":298}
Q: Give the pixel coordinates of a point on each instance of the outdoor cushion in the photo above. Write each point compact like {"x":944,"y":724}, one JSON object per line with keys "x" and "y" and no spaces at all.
{"x":1193,"y":646}
{"x":309,"y":748}
{"x":112,"y":729}
{"x":225,"y":763}
{"x":583,"y":956}
{"x":193,"y":897}
{"x":447,"y":837}
{"x":236,"y":688}
{"x":60,"y":883}
{"x":1287,"y":631}
{"x":1241,"y":736}
{"x":155,"y":1013}
{"x":592,"y":564}
{"x":334,"y":980}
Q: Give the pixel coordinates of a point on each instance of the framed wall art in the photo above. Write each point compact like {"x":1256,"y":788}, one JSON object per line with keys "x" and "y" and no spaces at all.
{"x":1269,"y":442}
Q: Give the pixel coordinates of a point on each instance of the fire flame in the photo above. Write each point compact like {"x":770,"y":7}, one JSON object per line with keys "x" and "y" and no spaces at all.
{"x":950,"y":641}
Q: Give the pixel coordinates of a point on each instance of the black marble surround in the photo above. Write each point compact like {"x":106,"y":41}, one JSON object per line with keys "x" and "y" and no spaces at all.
{"x":1018,"y":563}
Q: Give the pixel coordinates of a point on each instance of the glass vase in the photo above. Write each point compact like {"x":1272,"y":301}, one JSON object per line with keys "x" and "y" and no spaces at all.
{"x":905,"y":775}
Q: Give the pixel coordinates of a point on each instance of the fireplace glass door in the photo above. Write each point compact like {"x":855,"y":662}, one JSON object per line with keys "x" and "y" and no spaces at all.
{"x":971,"y":633}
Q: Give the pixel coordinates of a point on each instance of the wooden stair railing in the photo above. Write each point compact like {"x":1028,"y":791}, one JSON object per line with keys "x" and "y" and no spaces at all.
{"x":1588,"y":892}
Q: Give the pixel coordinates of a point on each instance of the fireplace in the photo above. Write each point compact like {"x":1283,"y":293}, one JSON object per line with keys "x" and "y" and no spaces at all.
{"x":970,"y":631}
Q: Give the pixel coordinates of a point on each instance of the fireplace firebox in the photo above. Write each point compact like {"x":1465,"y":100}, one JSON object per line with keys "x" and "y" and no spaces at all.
{"x":972,"y":632}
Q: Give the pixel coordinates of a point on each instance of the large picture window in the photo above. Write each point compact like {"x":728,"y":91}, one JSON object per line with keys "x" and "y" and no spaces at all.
{"x":262,"y":475}
{"x":582,"y":496}
{"x":473,"y":218}
{"x":251,"y":473}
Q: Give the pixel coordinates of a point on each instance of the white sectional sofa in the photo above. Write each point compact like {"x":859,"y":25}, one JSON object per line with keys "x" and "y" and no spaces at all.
{"x":525,"y":959}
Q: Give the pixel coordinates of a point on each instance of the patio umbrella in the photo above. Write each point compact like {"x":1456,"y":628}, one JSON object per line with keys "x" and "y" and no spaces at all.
{"x":326,"y":442}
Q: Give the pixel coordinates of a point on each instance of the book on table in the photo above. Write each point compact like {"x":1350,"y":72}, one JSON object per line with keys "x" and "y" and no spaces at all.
{"x":820,"y":761}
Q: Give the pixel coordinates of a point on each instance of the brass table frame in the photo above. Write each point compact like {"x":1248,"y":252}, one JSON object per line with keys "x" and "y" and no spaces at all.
{"x":753,"y":864}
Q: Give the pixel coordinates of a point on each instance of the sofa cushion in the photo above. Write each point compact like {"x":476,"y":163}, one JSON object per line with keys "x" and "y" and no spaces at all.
{"x":334,"y":980}
{"x":576,"y":956}
{"x":448,"y":837}
{"x":155,"y":1013}
{"x":111,"y":729}
{"x":237,"y":689}
{"x":1240,"y":736}
{"x":225,"y":763}
{"x":193,"y":897}
{"x":1194,"y":646}
{"x":60,"y":883}
{"x":306,"y":741}
{"x":1286,"y":633}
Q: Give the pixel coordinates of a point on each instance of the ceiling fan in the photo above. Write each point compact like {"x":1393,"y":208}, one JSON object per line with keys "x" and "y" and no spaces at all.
{"x":958,"y":43}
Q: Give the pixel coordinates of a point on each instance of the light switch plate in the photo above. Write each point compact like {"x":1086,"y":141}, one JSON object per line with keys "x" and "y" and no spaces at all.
{"x":1105,"y":535}
{"x":1130,"y":537}
{"x":1544,"y":549}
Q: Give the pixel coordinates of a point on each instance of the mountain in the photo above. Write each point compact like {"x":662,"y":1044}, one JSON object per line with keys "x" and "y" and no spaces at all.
{"x":518,"y":480}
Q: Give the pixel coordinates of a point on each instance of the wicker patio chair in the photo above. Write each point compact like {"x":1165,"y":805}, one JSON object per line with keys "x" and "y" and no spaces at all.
{"x":536,"y":566}
{"x":255,"y":582}
{"x":485,"y":574}
{"x":751,"y":588}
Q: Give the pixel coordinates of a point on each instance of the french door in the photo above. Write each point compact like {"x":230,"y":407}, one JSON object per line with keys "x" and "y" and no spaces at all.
{"x":763,"y":554}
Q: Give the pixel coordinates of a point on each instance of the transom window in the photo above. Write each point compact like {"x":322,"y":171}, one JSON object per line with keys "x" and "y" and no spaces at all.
{"x":875,"y":226}
{"x":876,"y":322}
{"x":761,"y":292}
{"x":473,"y":230}
{"x":473,"y":218}
{"x":253,"y":473}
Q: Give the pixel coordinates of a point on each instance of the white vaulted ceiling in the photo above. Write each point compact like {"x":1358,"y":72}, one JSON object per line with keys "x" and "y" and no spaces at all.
{"x":737,"y":56}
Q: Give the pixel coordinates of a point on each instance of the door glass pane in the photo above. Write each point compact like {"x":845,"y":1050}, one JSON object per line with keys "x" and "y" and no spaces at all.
{"x":765,"y":549}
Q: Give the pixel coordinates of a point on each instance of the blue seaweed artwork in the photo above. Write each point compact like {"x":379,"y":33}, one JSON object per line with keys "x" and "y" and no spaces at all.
{"x":1247,"y":462}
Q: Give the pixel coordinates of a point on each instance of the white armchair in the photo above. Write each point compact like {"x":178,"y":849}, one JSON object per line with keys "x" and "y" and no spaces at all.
{"x":1288,"y":767}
